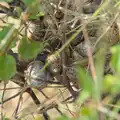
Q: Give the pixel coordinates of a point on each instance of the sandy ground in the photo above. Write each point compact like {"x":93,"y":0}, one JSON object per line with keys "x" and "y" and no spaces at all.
{"x":27,"y":107}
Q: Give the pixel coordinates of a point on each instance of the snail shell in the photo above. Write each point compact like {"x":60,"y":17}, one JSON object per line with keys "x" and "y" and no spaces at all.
{"x":35,"y":76}
{"x":55,"y":68}
{"x":83,"y":46}
{"x":54,"y":64}
{"x":36,"y":30}
{"x":72,"y":76}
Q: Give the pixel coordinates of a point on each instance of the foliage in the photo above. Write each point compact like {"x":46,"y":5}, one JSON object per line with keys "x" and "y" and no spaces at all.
{"x":7,"y":67}
{"x":91,"y":99}
{"x":33,"y":48}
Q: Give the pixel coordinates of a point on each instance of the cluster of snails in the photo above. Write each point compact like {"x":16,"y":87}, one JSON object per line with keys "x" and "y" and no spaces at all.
{"x":55,"y":28}
{"x":61,"y":20}
{"x":77,"y":50}
{"x":38,"y":76}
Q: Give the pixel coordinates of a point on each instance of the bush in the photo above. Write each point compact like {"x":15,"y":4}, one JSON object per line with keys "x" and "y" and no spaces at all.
{"x":72,"y":44}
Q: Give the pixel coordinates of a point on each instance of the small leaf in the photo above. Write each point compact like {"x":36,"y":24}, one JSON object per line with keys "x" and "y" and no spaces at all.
{"x":41,"y":14}
{"x":28,"y":2}
{"x":99,"y":67}
{"x":111,"y":83}
{"x":6,"y":35}
{"x":18,"y":11}
{"x":83,"y":96}
{"x":33,"y":17}
{"x":33,"y":8}
{"x":108,"y":83}
{"x":63,"y":118}
{"x":86,"y":81}
{"x":13,"y":44}
{"x":3,"y":32}
{"x":29,"y":49}
{"x":115,"y":60}
{"x":7,"y":67}
{"x":88,"y":113}
{"x":6,"y":118}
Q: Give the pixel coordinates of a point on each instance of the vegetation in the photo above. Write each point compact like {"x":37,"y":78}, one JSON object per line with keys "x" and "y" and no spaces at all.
{"x":71,"y":46}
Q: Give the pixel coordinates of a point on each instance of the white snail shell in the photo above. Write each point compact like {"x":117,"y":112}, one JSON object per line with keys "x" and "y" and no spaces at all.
{"x":54,"y":64}
{"x":35,"y":76}
{"x":35,"y":30}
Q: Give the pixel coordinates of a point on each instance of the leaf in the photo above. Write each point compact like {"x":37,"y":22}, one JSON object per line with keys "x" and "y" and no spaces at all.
{"x":41,"y":14}
{"x":108,"y":83}
{"x":99,"y":67}
{"x":88,"y":113}
{"x":6,"y":35}
{"x":19,"y":11}
{"x":83,"y":96}
{"x":29,"y":49}
{"x":7,"y":67}
{"x":111,"y":83}
{"x":115,"y":60}
{"x":28,"y":2}
{"x":13,"y":44}
{"x":3,"y":32}
{"x":63,"y":118}
{"x":85,"y":80}
{"x":6,"y":118}
{"x":33,"y":8}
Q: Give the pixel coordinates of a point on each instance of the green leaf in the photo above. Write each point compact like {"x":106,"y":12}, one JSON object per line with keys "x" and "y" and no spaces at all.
{"x":85,"y":80}
{"x":3,"y":32}
{"x":33,"y":8}
{"x":108,"y":83}
{"x":29,"y":49}
{"x":83,"y":96}
{"x":6,"y":118}
{"x":13,"y":44}
{"x":7,"y":67}
{"x":19,"y":11}
{"x":6,"y":35}
{"x":88,"y":113}
{"x":99,"y":67}
{"x":115,"y":60}
{"x":28,"y":2}
{"x":33,"y":17}
{"x":111,"y":83}
{"x":41,"y":14}
{"x":63,"y":118}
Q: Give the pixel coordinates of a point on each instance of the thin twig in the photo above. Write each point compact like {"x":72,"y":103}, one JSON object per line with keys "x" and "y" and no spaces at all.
{"x":2,"y":116}
{"x":18,"y":105}
{"x":89,"y":51}
{"x":107,"y":29}
{"x":11,"y":88}
{"x":66,"y":104}
{"x":106,"y":111}
{"x":10,"y":98}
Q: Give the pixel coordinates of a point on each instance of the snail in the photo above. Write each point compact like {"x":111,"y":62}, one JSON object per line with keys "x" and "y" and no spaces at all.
{"x":72,"y":76}
{"x":35,"y":76}
{"x":95,"y":30}
{"x":90,"y":6}
{"x":83,"y":46}
{"x":54,"y":64}
{"x":36,"y":30}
